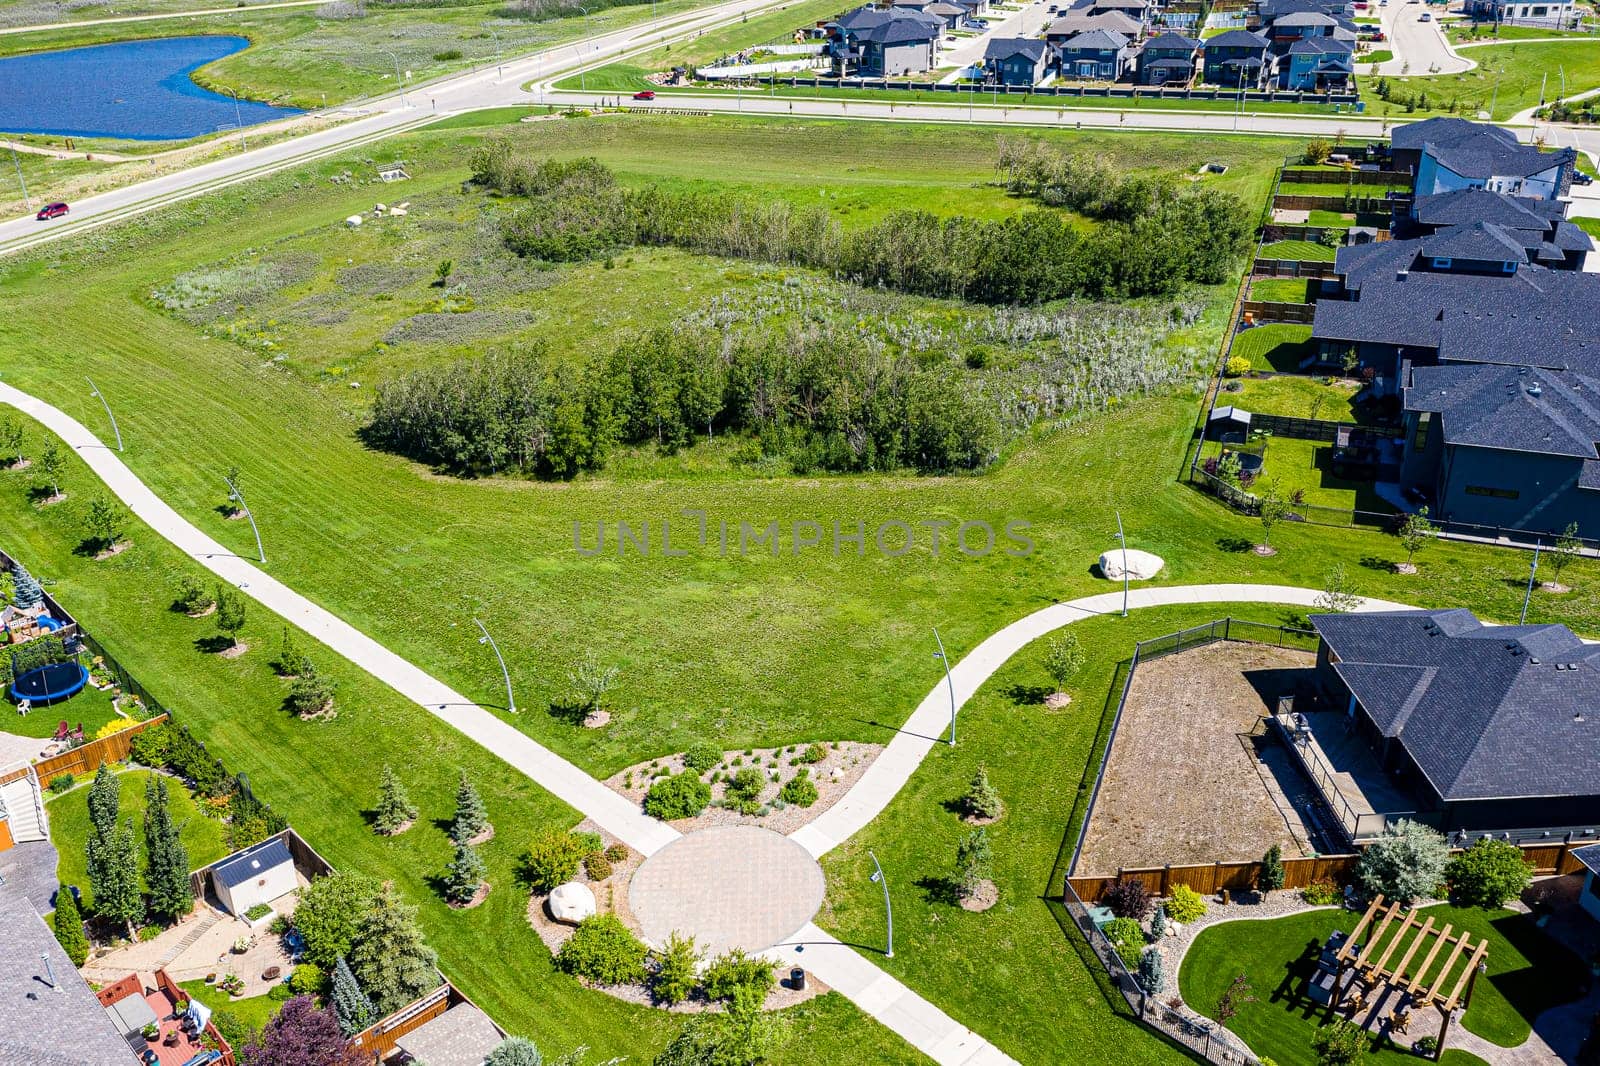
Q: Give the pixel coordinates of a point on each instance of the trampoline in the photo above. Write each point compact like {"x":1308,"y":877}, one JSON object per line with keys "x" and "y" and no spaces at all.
{"x":46,"y":684}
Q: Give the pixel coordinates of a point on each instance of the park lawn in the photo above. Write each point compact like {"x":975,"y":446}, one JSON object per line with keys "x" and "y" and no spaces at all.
{"x":1305,"y":251}
{"x":765,"y":28}
{"x":202,"y":833}
{"x":90,"y":708}
{"x":253,"y":1011}
{"x":1296,"y":396}
{"x":1278,"y":346}
{"x":1518,"y":69}
{"x":1013,"y":973}
{"x":1463,"y":33}
{"x":1527,"y":973}
{"x":1280,"y":290}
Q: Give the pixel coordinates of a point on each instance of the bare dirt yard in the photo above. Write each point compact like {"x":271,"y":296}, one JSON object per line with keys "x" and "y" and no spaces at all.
{"x":1186,"y":782}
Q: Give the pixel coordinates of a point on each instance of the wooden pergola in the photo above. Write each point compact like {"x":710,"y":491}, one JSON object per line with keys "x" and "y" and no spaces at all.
{"x":1446,"y":988}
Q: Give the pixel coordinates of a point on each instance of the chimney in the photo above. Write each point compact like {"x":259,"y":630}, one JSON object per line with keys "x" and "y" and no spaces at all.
{"x":1402,"y":274}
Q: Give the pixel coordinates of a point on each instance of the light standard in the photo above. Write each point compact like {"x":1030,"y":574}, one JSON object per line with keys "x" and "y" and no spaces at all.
{"x":398,"y":77}
{"x":235,"y":496}
{"x":583,"y":80}
{"x":1123,"y":541}
{"x":238,"y":118}
{"x":888,"y":909}
{"x":499,"y":67}
{"x":950,"y":682}
{"x":95,"y":392}
{"x":511,"y":703}
{"x":1532,"y":572}
{"x":27,"y":201}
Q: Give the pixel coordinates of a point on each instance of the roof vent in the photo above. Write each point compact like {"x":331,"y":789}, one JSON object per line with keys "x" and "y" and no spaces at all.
{"x":1533,"y":660}
{"x":1535,"y":389}
{"x":1577,"y":716}
{"x":1402,"y":274}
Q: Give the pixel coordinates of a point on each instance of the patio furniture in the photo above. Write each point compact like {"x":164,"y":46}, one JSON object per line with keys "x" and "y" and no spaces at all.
{"x":62,"y":730}
{"x":1400,"y":1020}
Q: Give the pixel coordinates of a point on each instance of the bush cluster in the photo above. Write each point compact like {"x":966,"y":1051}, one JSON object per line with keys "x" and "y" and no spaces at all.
{"x":799,"y":790}
{"x":679,"y":796}
{"x":554,"y":855}
{"x":702,"y":757}
{"x":1127,"y":937}
{"x":1185,"y":904}
{"x":603,"y":951}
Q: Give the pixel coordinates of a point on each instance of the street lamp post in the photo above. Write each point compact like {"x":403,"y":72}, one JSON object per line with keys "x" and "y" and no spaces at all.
{"x":888,"y":909}
{"x":399,"y":78}
{"x":27,"y":201}
{"x":511,"y":703}
{"x":949,"y":681}
{"x":1123,"y":541}
{"x":95,"y":392}
{"x":235,"y":496}
{"x":238,"y":118}
{"x":1532,"y":573}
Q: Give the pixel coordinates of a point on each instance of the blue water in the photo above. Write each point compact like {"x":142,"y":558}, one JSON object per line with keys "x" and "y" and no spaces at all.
{"x":139,"y":90}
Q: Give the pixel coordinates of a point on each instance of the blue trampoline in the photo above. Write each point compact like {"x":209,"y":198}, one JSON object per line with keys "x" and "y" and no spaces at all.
{"x":54,"y":681}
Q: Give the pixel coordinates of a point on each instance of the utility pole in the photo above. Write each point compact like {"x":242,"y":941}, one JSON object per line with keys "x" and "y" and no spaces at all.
{"x":888,"y":909}
{"x":949,"y":681}
{"x":511,"y":703}
{"x":95,"y":392}
{"x":238,"y":117}
{"x":1123,"y":541}
{"x":399,"y":78}
{"x":27,"y":201}
{"x":237,"y":497}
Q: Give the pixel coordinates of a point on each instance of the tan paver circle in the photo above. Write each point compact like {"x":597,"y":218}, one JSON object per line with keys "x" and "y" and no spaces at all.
{"x":731,"y":886}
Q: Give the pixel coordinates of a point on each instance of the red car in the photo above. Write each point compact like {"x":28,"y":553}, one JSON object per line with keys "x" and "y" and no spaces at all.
{"x":648,"y":94}
{"x":49,"y":211}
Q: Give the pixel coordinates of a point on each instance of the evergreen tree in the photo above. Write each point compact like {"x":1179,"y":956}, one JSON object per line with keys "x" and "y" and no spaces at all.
{"x":973,"y":859}
{"x":1158,"y":922}
{"x":103,"y":802}
{"x":471,"y":817}
{"x":350,"y":1004}
{"x":230,"y":613}
{"x":26,"y":591}
{"x":167,"y":860}
{"x":114,"y":876}
{"x":1270,"y":879}
{"x":515,"y":1051}
{"x":395,"y":811}
{"x":464,"y":874}
{"x":981,"y":800}
{"x":389,"y":957}
{"x":68,"y":924}
{"x":1152,"y":972}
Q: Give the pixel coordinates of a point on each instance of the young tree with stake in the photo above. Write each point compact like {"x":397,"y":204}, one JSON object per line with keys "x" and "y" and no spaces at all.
{"x":1415,"y":532}
{"x":51,"y":463}
{"x":1271,"y":508}
{"x":230,"y":614}
{"x":1567,"y":547}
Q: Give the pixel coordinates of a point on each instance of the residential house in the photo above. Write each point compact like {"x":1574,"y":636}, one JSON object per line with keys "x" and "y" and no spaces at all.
{"x":947,"y":13}
{"x":1268,"y":11}
{"x":1300,"y":25}
{"x":1235,"y":58}
{"x":973,"y":8}
{"x":51,"y":1016}
{"x":1552,"y":14}
{"x":1016,"y":60}
{"x":1167,"y":59}
{"x":1485,"y":728}
{"x":1070,"y":25}
{"x":875,"y":43}
{"x":1096,"y":55}
{"x":1317,"y":64}
{"x":1505,"y":446}
{"x":1447,"y":154}
{"x":1589,"y":897}
{"x":1141,"y":11}
{"x":1540,"y":225}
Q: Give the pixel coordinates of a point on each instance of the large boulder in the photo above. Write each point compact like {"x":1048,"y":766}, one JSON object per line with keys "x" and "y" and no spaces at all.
{"x":571,"y":903}
{"x":1131,"y":563}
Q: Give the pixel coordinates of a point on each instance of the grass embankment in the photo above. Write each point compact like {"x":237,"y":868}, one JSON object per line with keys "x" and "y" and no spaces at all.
{"x":1278,"y":346}
{"x":1508,"y":79}
{"x":1527,"y":973}
{"x":202,"y":832}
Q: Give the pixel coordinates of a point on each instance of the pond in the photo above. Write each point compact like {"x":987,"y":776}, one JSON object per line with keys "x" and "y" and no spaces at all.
{"x":139,"y":90}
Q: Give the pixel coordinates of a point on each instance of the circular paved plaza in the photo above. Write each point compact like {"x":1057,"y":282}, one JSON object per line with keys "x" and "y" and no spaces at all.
{"x":731,"y":886}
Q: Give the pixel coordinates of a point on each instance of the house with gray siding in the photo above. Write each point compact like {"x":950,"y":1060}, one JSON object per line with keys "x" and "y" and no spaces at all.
{"x":1236,"y":59}
{"x":1098,"y":55}
{"x":1490,"y":729}
{"x":1167,"y":59}
{"x":1016,"y":60}
{"x":877,"y":43}
{"x":1446,"y":154}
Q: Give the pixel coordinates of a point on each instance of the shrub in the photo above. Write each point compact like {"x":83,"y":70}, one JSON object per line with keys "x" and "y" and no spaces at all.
{"x":1322,"y":893}
{"x":444,"y":57}
{"x":597,"y":866}
{"x":677,"y":970}
{"x":679,"y":796}
{"x":1317,"y":151}
{"x":743,"y":790}
{"x":981,"y":800}
{"x":603,"y":951}
{"x":618,"y":852}
{"x":1407,"y":862}
{"x":258,"y":912}
{"x":1489,"y":873}
{"x":1128,"y":898}
{"x":193,"y":597}
{"x":1237,"y":366}
{"x":728,"y":973}
{"x":553,"y":858}
{"x":813,"y":753}
{"x":233,"y":1028}
{"x":116,"y":725}
{"x":702,"y":757}
{"x":799,"y":789}
{"x":280,"y":992}
{"x":1185,"y":904}
{"x":307,"y":979}
{"x":1127,"y":937}
{"x":1270,"y":879}
{"x":309,"y":692}
{"x":62,"y":784}
{"x":1339,"y":1044}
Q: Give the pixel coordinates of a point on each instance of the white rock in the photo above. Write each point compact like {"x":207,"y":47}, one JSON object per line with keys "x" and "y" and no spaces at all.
{"x":571,"y":903}
{"x":1137,"y":565}
{"x":353,"y":220}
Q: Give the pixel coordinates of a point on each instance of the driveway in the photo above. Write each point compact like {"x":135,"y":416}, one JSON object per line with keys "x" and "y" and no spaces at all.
{"x":1029,"y":22}
{"x":1419,"y":47}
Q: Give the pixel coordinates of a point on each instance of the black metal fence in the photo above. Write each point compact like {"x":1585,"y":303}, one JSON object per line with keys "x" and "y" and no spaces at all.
{"x":1094,"y":92}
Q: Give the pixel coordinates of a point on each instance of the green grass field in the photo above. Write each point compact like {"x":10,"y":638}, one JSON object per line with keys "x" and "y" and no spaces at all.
{"x":1276,"y":346}
{"x":202,"y":833}
{"x":767,"y":649}
{"x":1281,"y":290}
{"x":1306,"y":251}
{"x":90,"y":708}
{"x":1507,"y":79}
{"x":253,"y":1011}
{"x":1527,"y":973}
{"x":1297,"y":396}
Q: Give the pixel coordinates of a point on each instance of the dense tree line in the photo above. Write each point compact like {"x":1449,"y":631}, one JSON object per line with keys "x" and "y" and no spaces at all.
{"x":1153,"y":235}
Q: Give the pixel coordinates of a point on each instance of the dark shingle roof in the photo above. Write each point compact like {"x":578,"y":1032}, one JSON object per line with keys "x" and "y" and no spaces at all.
{"x":1589,"y":855}
{"x":1305,"y":18}
{"x":461,"y":1036}
{"x":1098,"y":40}
{"x":1235,"y":39}
{"x":1465,"y":206}
{"x":1321,"y":46}
{"x":252,"y":862}
{"x":1486,"y":156}
{"x":1444,"y":133}
{"x":42,"y":1026}
{"x":1031,"y":48}
{"x":1510,"y":408}
{"x":1481,"y":241}
{"x":1170,"y":42}
{"x":1484,"y":711}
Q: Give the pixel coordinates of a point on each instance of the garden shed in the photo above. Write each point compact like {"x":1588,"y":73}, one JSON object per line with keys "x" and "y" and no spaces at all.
{"x":461,"y":1036}
{"x":258,"y":874}
{"x":1231,"y":425}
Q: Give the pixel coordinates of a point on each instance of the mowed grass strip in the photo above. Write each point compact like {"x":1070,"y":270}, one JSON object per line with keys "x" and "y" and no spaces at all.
{"x":1276,"y":346}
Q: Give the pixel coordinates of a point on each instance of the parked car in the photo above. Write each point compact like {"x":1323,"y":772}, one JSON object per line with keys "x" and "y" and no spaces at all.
{"x":49,"y":211}
{"x":647,"y":94}
{"x":1580,"y":178}
{"x":1425,"y":17}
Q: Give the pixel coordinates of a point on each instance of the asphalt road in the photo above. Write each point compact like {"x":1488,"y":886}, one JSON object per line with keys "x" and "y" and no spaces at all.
{"x":1419,"y":47}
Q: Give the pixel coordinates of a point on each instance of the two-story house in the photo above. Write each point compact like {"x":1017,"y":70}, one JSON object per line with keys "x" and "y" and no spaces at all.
{"x":1073,"y":23}
{"x":1317,"y":64}
{"x":1236,"y":59}
{"x":1446,"y":154}
{"x":1016,"y":60}
{"x":1167,"y":59}
{"x":1097,"y":55}
{"x":877,"y":43}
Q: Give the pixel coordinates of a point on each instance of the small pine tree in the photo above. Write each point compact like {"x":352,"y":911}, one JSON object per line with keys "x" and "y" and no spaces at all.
{"x":471,"y":818}
{"x":1270,"y":879}
{"x":26,"y":592}
{"x":1152,"y":975}
{"x":292,"y":662}
{"x":464,"y":875}
{"x":981,"y":800}
{"x":515,"y":1051}
{"x":68,"y":924}
{"x":350,"y":1004}
{"x":114,"y":877}
{"x":1158,"y":922}
{"x":973,"y":859}
{"x":230,"y":613}
{"x":678,"y":972}
{"x":389,"y":956}
{"x":395,"y":811}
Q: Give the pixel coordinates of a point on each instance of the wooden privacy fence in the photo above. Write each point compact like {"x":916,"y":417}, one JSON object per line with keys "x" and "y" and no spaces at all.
{"x":1291,"y":268}
{"x":306,"y":862}
{"x":86,"y":758}
{"x":1340,"y":176}
{"x":1212,"y":877}
{"x":1289,"y":201}
{"x":1271,"y":311}
{"x":1286,"y":231}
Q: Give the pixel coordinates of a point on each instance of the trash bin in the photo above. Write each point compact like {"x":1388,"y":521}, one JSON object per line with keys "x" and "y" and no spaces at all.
{"x":797,"y":979}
